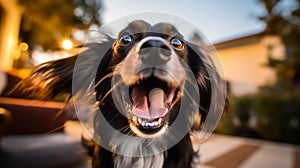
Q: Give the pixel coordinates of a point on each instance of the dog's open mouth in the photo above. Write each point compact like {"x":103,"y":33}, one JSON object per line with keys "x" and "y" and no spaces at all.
{"x":151,"y":99}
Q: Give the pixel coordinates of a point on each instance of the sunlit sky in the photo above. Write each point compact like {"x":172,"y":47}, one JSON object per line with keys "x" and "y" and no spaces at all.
{"x":218,"y":20}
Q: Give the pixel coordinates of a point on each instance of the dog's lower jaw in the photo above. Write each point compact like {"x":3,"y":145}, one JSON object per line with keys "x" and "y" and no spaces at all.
{"x":143,"y":135}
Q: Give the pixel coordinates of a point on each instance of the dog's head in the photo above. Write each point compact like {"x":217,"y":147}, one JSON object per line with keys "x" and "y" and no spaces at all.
{"x":150,"y":67}
{"x":141,"y":81}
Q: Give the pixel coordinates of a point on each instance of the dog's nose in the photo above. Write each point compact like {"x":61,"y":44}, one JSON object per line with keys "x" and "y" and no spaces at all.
{"x":154,"y":52}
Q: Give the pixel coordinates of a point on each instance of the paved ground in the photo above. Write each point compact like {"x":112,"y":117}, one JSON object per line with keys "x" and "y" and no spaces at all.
{"x":221,"y":151}
{"x":231,"y":152}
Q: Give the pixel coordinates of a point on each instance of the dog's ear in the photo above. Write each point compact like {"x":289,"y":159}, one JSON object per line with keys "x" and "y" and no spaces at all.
{"x":209,"y":82}
{"x":55,"y":77}
{"x":199,"y":68}
{"x":47,"y":80}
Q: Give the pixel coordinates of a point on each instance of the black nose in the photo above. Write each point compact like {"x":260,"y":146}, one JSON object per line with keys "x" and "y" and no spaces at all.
{"x":154,"y":52}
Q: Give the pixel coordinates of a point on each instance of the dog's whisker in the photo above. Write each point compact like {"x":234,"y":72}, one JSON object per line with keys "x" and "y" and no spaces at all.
{"x":203,"y":109}
{"x":191,"y":98}
{"x":117,"y":69}
{"x":125,"y":128}
{"x":115,"y":117}
{"x":57,"y":129}
{"x":110,"y":90}
{"x":194,"y":102}
{"x":192,"y":82}
{"x":102,"y":79}
{"x":129,"y":133}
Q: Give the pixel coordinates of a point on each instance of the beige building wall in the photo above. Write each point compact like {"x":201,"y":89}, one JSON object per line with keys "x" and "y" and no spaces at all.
{"x":244,"y":64}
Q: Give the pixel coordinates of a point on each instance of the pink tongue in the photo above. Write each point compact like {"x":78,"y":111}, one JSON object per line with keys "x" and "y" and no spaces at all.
{"x":140,"y":103}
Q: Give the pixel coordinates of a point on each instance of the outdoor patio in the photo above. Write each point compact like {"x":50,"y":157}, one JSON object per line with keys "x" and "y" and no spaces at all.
{"x":221,"y":151}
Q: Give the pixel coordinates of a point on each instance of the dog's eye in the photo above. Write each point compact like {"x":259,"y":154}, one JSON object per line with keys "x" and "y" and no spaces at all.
{"x":175,"y":42}
{"x":126,"y":39}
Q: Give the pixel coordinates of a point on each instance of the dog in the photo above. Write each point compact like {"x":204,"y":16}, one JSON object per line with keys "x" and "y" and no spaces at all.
{"x":149,"y":83}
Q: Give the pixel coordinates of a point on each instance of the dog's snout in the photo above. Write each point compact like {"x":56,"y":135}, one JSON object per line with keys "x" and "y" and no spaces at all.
{"x":154,"y":52}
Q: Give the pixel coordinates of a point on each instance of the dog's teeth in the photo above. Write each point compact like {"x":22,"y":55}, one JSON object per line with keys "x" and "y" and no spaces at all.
{"x":159,"y":120}
{"x":148,"y":124}
{"x":139,"y":120}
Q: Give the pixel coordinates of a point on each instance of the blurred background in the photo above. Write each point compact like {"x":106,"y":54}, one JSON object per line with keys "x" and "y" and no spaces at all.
{"x":258,"y":42}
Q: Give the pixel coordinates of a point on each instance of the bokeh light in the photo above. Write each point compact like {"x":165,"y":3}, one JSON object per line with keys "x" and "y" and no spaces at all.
{"x":23,"y":46}
{"x":67,"y":44}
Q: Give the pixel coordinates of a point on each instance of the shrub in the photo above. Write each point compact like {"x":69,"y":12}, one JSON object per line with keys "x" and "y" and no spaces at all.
{"x":278,"y":114}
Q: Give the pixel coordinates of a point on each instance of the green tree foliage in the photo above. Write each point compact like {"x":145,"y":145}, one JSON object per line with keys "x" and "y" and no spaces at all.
{"x":278,"y":115}
{"x":285,"y":23}
{"x":45,"y":22}
{"x":238,"y":120}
